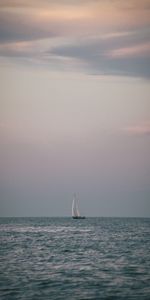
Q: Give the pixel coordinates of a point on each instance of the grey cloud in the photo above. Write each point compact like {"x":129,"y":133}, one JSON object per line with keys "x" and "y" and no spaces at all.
{"x":20,"y":28}
{"x":94,"y":48}
{"x":23,"y":25}
{"x":95,"y":56}
{"x":36,"y":3}
{"x":131,"y":4}
{"x":20,"y":3}
{"x":89,"y":55}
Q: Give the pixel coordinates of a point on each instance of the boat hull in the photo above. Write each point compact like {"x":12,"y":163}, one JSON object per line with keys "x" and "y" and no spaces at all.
{"x":78,"y":217}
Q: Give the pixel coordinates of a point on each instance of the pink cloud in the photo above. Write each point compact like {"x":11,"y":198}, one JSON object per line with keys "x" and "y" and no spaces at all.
{"x":141,"y":129}
{"x":137,"y":50}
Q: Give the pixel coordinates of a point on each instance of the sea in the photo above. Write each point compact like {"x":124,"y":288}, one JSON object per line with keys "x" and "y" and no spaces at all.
{"x":67,"y":259}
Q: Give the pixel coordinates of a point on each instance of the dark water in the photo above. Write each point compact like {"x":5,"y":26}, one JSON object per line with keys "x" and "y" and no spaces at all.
{"x":61,"y":258}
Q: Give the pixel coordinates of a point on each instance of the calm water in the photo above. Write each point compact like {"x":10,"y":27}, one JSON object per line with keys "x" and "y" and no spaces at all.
{"x":61,"y":258}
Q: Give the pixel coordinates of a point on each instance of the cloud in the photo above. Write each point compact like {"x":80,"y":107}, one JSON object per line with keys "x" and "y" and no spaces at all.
{"x":29,"y":3}
{"x":33,"y":24}
{"x":135,"y":50}
{"x":19,"y":27}
{"x":132,"y":4}
{"x":26,"y":20}
{"x":117,"y":53}
{"x":138,"y":130}
{"x":102,"y":37}
{"x":101,"y":55}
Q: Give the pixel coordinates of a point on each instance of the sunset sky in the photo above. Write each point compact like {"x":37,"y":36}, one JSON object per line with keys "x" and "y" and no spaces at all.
{"x":75,"y":107}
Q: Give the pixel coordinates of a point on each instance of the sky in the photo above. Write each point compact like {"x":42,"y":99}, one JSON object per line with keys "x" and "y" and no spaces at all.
{"x":75,"y":107}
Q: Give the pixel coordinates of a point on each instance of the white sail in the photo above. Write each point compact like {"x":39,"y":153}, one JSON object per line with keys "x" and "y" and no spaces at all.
{"x":75,"y":207}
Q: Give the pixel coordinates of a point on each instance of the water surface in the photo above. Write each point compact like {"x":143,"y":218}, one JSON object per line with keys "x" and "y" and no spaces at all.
{"x":62,"y":258}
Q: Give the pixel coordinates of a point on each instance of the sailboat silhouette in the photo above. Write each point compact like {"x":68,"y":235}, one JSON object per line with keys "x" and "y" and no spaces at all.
{"x":75,"y":208}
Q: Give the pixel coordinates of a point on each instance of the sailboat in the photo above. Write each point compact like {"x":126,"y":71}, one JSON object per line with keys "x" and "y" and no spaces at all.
{"x":75,"y":209}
